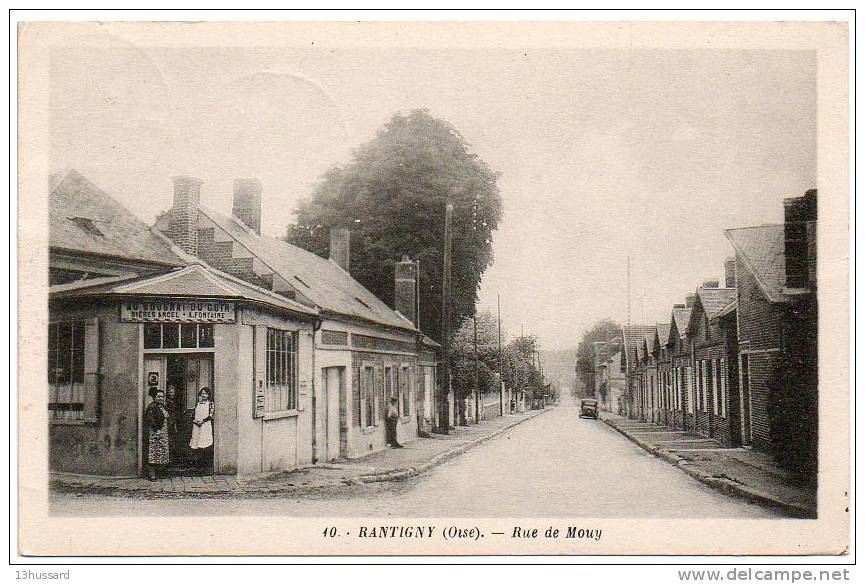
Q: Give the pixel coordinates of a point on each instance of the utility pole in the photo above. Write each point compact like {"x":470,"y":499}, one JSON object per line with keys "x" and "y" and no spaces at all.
{"x":477,"y":371}
{"x":444,"y":408}
{"x":629,"y":290}
{"x":501,"y":357}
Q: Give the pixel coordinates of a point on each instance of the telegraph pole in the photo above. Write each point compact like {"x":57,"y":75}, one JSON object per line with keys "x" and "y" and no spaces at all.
{"x":477,"y":371}
{"x":501,"y":367}
{"x":444,"y":408}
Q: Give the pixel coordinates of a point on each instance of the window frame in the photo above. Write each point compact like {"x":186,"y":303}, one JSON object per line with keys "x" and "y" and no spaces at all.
{"x":281,"y":372}
{"x":74,"y":407}
{"x":179,"y":349}
{"x":405,"y":396}
{"x":367,"y":396}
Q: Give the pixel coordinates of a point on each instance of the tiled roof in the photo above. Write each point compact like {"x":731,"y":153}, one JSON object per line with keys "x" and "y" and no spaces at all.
{"x":713,"y":300}
{"x":198,"y":280}
{"x":762,"y":252}
{"x":730,"y":308}
{"x":83,"y":218}
{"x":681,"y":316}
{"x":664,"y":333}
{"x":633,"y":335}
{"x":330,"y":287}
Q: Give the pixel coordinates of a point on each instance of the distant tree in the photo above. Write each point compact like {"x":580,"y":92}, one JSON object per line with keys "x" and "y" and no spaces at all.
{"x":462,"y":355}
{"x":520,"y":371}
{"x":392,"y":195}
{"x":604,"y":330}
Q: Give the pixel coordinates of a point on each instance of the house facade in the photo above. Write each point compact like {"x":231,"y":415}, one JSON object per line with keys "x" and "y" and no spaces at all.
{"x":776,"y":313}
{"x":681,"y":364}
{"x":710,"y":360}
{"x":661,"y":354}
{"x":633,"y":345}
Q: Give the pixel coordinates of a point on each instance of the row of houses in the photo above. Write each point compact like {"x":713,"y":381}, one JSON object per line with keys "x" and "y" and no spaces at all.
{"x":718,"y":366}
{"x":300,"y":358}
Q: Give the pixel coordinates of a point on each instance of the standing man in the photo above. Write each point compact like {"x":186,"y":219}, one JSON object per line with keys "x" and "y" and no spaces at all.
{"x":390,"y":423}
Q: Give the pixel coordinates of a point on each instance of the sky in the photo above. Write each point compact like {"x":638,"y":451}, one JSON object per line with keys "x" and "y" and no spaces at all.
{"x":604,"y":154}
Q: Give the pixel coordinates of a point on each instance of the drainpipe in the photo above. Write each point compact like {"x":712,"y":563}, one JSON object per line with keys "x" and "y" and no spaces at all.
{"x":316,"y":326}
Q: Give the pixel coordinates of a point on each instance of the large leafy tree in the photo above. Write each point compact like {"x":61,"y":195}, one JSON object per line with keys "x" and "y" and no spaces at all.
{"x":392,"y":195}
{"x":604,"y":330}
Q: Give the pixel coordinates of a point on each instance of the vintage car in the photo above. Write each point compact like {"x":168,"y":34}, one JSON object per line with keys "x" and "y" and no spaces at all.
{"x":589,"y":407}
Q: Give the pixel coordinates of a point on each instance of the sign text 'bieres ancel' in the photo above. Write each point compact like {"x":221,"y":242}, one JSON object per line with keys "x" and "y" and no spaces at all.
{"x":176,"y":311}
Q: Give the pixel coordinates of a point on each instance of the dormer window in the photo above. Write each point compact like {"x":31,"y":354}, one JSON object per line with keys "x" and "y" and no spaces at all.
{"x":88,"y":225}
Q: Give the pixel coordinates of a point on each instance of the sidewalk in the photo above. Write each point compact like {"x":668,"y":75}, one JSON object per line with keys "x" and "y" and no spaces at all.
{"x":388,"y":465}
{"x":738,"y":471}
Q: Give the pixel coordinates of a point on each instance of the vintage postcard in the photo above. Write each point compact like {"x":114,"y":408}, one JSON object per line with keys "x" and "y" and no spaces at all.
{"x":433,"y":288}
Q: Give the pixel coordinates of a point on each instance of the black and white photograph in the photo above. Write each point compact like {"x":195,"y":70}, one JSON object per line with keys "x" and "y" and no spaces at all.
{"x":359,"y":275}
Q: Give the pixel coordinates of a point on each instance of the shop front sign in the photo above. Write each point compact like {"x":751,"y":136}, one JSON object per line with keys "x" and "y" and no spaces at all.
{"x":158,"y":310}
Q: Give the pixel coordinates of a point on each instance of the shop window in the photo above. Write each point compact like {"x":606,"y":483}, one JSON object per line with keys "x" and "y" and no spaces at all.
{"x":281,"y":394}
{"x":152,"y":335}
{"x":188,"y":336}
{"x":171,"y":335}
{"x":205,"y":336}
{"x":66,"y":370}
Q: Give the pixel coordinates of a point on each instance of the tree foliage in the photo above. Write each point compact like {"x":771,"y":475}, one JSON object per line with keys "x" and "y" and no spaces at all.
{"x":520,"y":371}
{"x":392,"y":195}
{"x":463,"y":355}
{"x":604,"y":330}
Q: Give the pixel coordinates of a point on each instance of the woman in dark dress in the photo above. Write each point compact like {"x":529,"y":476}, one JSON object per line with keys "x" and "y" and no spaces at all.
{"x":156,"y":419}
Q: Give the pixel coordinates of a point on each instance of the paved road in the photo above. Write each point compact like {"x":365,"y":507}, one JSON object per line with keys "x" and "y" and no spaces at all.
{"x":555,"y":465}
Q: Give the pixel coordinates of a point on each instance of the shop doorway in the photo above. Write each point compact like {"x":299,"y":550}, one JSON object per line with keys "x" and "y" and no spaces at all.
{"x":181,"y":376}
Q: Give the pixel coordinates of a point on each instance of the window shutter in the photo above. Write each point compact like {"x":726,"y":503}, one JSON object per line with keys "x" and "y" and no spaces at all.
{"x":91,"y":370}
{"x":259,"y":374}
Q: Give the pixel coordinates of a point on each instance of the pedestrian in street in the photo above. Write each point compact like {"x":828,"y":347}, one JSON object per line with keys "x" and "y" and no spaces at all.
{"x":391,"y":420}
{"x":513,"y":405}
{"x":156,"y":418}
{"x":202,"y":431}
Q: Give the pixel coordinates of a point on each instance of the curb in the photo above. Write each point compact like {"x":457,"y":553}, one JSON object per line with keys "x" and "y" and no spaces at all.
{"x":241,"y":487}
{"x":724,"y":485}
{"x":401,"y":474}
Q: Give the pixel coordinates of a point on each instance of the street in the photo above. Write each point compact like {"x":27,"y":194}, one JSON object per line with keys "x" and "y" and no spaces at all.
{"x":554,"y":465}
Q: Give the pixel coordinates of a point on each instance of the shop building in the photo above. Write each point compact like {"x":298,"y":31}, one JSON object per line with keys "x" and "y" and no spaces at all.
{"x":172,"y":322}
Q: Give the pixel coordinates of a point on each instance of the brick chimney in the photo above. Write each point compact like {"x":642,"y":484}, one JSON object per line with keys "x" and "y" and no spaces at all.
{"x":730,"y":272}
{"x":800,"y":253}
{"x":247,"y":202}
{"x":340,"y":247}
{"x":183,"y":223}
{"x":405,"y":297}
{"x":710,"y":283}
{"x":689,"y":300}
